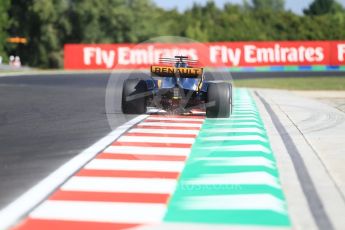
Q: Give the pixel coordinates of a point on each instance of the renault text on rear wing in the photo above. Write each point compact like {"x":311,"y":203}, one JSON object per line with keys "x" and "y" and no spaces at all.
{"x":165,"y":71}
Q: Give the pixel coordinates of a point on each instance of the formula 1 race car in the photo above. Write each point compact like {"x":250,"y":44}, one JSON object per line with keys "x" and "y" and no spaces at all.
{"x":177,"y":86}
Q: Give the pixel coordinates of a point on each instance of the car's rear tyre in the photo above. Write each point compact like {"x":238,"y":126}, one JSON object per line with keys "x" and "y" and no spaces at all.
{"x":134,"y":98}
{"x":219,"y":100}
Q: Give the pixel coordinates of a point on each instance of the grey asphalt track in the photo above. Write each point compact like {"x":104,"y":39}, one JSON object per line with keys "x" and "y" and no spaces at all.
{"x":46,"y":120}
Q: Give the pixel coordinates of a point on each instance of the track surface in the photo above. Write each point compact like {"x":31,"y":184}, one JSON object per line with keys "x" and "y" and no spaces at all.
{"x":44,"y":122}
{"x":230,"y":177}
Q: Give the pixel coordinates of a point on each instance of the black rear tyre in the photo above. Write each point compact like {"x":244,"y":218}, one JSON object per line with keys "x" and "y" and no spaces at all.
{"x":134,"y":98}
{"x":219,"y":100}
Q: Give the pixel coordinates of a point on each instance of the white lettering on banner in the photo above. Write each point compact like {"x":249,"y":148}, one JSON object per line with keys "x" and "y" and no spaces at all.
{"x":88,"y":53}
{"x":320,"y":56}
{"x":301,"y":51}
{"x":99,"y":56}
{"x":341,"y":52}
{"x":108,"y":58}
{"x":123,"y":55}
{"x":277,"y":54}
{"x":149,"y":55}
{"x":227,"y":55}
{"x":309,"y":54}
{"x":249,"y":52}
{"x":269,"y":55}
{"x":292,"y":55}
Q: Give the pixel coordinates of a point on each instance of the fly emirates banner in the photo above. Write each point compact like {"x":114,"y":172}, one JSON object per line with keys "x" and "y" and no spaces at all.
{"x":218,"y":54}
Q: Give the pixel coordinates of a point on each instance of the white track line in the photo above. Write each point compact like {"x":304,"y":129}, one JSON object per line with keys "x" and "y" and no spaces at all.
{"x":26,"y":202}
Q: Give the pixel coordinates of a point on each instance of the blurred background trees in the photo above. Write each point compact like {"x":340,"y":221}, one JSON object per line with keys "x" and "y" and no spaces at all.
{"x":319,"y":7}
{"x":4,"y":23}
{"x":49,"y":24}
{"x":275,"y":5}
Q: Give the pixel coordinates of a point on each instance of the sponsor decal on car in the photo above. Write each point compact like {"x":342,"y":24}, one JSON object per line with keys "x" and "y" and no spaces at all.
{"x":172,"y":71}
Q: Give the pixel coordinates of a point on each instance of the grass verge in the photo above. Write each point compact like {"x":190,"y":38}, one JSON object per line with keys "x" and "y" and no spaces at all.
{"x":309,"y":83}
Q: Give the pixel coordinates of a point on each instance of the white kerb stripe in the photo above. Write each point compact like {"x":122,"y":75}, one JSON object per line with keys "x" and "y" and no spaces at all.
{"x":114,"y":184}
{"x":243,"y":103}
{"x":241,"y":116}
{"x":236,"y":123}
{"x":170,"y":124}
{"x":240,"y":148}
{"x":164,"y":131}
{"x":136,"y":165}
{"x":237,"y":161}
{"x":234,"y":202}
{"x":237,"y":105}
{"x":246,"y":178}
{"x":100,"y":212}
{"x":171,"y":140}
{"x":245,"y":112}
{"x":234,"y":130}
{"x":250,"y":109}
{"x":235,"y":119}
{"x":235,"y":138}
{"x":148,"y":150}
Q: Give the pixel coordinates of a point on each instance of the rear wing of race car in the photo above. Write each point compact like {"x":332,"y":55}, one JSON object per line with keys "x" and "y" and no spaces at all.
{"x":178,"y":59}
{"x":178,"y":66}
{"x":165,"y":71}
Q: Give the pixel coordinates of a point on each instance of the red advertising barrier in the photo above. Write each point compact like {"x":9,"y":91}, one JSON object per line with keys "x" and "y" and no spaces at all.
{"x":217,"y":54}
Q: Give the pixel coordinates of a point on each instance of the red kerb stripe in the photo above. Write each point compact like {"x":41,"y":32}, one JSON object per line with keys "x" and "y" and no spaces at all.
{"x":140,"y":157}
{"x":161,"y":135}
{"x":40,"y":224}
{"x":127,"y":173}
{"x":174,"y":121}
{"x":110,"y":197}
{"x":179,"y":116}
{"x":166,"y":127}
{"x":140,"y":144}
